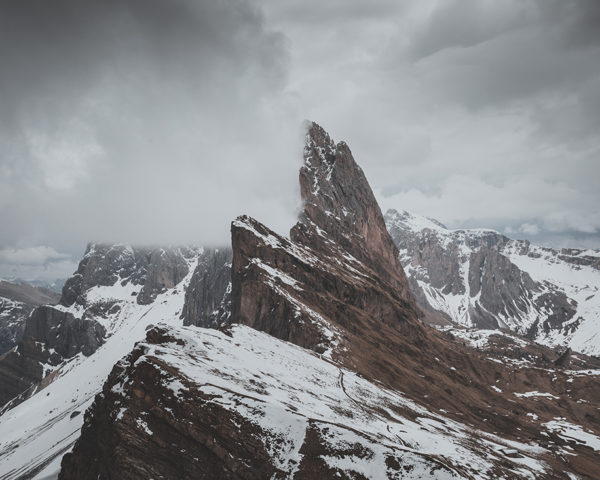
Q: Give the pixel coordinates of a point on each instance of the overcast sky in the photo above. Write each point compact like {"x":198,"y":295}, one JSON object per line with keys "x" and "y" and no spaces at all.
{"x":158,"y":122}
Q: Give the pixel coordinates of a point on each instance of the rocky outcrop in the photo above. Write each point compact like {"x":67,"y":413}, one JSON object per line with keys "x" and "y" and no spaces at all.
{"x":91,"y":299}
{"x":166,"y":268}
{"x":62,"y":332}
{"x":16,"y":303}
{"x":153,"y":269}
{"x":338,"y":271}
{"x":50,"y":337}
{"x":503,"y":290}
{"x":564,"y":359}
{"x":341,"y":212}
{"x":575,"y":256}
{"x":307,"y":296}
{"x":104,"y":265}
{"x":208,"y":297}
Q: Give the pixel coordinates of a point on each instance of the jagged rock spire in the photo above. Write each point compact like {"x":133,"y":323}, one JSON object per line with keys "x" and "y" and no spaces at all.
{"x":339,"y":202}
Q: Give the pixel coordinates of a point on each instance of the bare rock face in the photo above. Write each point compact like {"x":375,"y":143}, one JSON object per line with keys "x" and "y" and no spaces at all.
{"x":580,"y":257}
{"x":16,"y":303}
{"x":153,"y":269}
{"x":563,"y":360}
{"x":208,"y":297}
{"x":308,"y":296}
{"x":340,"y":209}
{"x":50,"y":337}
{"x":340,"y":262}
{"x":104,"y":265}
{"x":64,"y":333}
{"x":54,"y":334}
{"x":266,"y":297}
{"x":504,"y":290}
{"x":166,"y":268}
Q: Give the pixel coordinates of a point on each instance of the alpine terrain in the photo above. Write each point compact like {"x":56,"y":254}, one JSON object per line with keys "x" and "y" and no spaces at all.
{"x":17,"y":300}
{"x":484,"y":280}
{"x":303,"y":356}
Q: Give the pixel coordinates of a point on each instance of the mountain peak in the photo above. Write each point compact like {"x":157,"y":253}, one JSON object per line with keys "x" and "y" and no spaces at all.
{"x":339,"y":201}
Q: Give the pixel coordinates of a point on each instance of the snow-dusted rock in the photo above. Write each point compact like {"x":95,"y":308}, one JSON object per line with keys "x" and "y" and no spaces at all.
{"x":481,"y":278}
{"x":17,"y":300}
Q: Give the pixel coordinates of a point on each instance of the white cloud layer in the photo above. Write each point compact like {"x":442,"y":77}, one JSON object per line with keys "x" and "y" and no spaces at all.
{"x":33,"y":256}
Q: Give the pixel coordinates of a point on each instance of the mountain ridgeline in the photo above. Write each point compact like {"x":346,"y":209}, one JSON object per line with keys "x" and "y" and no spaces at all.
{"x":482,"y":279}
{"x":304,"y":356}
{"x":108,"y":277}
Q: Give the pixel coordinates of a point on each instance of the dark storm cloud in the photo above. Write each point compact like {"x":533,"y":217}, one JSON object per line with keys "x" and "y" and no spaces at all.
{"x":53,"y":53}
{"x":140,"y":121}
{"x":159,"y":121}
{"x":491,"y":53}
{"x":579,"y":19}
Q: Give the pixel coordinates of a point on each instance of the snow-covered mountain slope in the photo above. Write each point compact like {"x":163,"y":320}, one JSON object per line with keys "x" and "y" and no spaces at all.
{"x":35,"y":434}
{"x":284,"y":412}
{"x":483,"y":279}
{"x":108,"y":277}
{"x":68,"y":349}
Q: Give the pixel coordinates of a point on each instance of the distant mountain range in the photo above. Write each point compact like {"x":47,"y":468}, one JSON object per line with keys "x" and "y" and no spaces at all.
{"x":480,"y":278}
{"x":54,"y":285}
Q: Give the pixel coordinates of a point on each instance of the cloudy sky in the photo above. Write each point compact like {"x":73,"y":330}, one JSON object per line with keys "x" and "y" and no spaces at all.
{"x":155,"y":121}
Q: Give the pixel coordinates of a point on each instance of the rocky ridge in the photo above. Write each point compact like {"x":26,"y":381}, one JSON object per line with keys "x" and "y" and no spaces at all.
{"x":16,"y":303}
{"x":280,"y":412}
{"x":35,"y":432}
{"x":483,"y":279}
